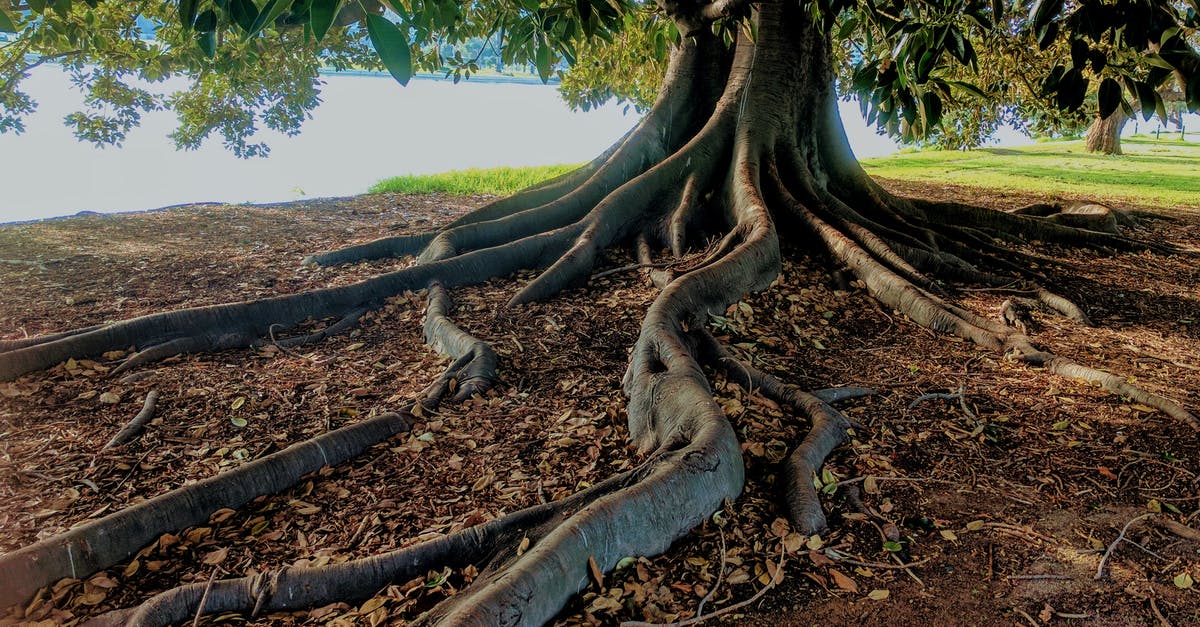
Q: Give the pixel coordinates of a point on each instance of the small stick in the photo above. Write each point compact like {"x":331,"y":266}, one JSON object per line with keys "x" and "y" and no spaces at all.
{"x":934,"y":395}
{"x":1039,"y":577}
{"x":883,"y":566}
{"x":1112,"y":547}
{"x":132,"y":430}
{"x":878,"y":478}
{"x":634,"y":266}
{"x":204,"y":597}
{"x":907,"y":568}
{"x":720,"y":575}
{"x":1178,"y":529}
{"x":1027,"y":617}
{"x":725,"y":610}
{"x":1162,"y":619}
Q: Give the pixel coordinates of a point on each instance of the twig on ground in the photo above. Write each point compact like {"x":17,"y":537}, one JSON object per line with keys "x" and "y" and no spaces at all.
{"x":957,"y":394}
{"x":1158,"y":614}
{"x":725,"y":610}
{"x":908,"y":569}
{"x":633,"y":266}
{"x":1112,"y":547}
{"x":1027,"y":617}
{"x":883,"y":565}
{"x":1039,"y":577}
{"x":1178,"y":528}
{"x":878,"y":478}
{"x":204,"y":597}
{"x":720,"y":575}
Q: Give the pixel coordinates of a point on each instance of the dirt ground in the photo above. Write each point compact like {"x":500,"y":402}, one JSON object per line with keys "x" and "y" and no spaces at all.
{"x":1001,"y":499}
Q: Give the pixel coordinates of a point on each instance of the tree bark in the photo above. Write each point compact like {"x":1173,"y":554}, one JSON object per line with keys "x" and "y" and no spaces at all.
{"x":1104,"y":135}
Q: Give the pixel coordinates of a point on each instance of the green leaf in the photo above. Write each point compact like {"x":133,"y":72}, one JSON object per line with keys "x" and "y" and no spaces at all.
{"x":187,"y":13}
{"x":1146,"y":96}
{"x":238,"y":421}
{"x":1156,"y":60}
{"x":6,"y":24}
{"x":206,"y":22}
{"x":392,"y":47}
{"x":270,"y":12}
{"x":1043,"y":11}
{"x":894,"y":547}
{"x":1079,"y":53}
{"x":1050,"y":83}
{"x":1109,"y":97}
{"x":544,"y":59}
{"x":1193,"y":92}
{"x":969,"y":88}
{"x":207,"y":40}
{"x":321,"y":15}
{"x":1046,"y":35}
{"x":244,"y":12}
{"x":932,"y":109}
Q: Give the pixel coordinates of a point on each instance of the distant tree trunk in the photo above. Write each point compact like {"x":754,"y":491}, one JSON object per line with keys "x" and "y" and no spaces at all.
{"x":1104,"y":135}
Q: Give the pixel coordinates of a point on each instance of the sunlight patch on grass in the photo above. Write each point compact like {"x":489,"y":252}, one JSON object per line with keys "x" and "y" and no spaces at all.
{"x":497,"y":181}
{"x":1152,"y":172}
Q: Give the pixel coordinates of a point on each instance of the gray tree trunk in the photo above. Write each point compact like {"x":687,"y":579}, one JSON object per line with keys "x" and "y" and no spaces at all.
{"x":1104,"y":135}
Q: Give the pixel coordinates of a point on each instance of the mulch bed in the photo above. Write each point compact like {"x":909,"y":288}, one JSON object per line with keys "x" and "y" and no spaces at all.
{"x":1005,"y":497}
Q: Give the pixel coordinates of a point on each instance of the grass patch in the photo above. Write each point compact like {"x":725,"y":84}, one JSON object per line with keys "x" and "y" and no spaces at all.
{"x":497,"y":181}
{"x":1153,"y":172}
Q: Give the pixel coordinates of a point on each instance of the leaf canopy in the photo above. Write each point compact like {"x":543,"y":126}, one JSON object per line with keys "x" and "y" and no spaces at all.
{"x":951,"y":70}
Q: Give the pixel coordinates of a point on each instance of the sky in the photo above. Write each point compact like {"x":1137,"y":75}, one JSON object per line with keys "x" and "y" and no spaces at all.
{"x":367,"y":128}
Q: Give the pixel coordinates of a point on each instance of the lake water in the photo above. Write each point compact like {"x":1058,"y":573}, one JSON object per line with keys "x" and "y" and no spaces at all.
{"x":367,"y":128}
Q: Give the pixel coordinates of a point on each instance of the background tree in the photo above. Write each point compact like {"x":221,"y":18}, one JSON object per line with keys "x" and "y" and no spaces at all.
{"x":741,"y":159}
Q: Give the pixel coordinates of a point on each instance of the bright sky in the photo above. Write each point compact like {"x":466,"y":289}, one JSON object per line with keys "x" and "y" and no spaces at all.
{"x":368,"y":128}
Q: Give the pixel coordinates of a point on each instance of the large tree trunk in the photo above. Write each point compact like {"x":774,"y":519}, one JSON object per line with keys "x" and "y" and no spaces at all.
{"x":1104,"y":135}
{"x":744,"y":144}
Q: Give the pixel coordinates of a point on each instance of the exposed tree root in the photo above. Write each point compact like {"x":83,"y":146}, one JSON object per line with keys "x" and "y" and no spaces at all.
{"x":344,"y":325}
{"x":12,"y":345}
{"x":101,"y":543}
{"x":828,"y":430}
{"x":473,"y":370}
{"x":291,"y":588}
{"x":135,"y":427}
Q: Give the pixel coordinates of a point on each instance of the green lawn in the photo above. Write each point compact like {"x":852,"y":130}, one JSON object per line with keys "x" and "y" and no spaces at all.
{"x":1155,"y":172}
{"x":1151,"y":172}
{"x":498,"y":181}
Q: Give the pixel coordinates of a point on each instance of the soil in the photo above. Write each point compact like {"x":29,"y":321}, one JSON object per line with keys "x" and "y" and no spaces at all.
{"x":1003,"y":493}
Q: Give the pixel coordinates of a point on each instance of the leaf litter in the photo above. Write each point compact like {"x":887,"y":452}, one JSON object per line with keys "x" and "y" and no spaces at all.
{"x":1017,"y":499}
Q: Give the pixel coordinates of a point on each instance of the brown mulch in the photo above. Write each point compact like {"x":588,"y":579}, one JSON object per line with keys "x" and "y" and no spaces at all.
{"x":1004,"y":498}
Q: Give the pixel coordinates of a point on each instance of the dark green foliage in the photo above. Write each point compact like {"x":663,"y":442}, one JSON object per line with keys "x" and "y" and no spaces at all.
{"x":903,"y":53}
{"x":950,"y":70}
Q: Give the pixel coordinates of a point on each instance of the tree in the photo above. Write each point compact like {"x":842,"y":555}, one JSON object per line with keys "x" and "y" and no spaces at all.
{"x":1104,"y":134}
{"x":743,"y":144}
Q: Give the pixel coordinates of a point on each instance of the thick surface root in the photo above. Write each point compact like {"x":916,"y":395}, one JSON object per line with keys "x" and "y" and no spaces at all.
{"x":473,"y":369}
{"x":828,"y":429}
{"x":101,"y":543}
{"x":135,"y":427}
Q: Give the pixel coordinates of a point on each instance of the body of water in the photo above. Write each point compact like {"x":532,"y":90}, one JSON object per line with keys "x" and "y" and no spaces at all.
{"x":367,"y":128}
